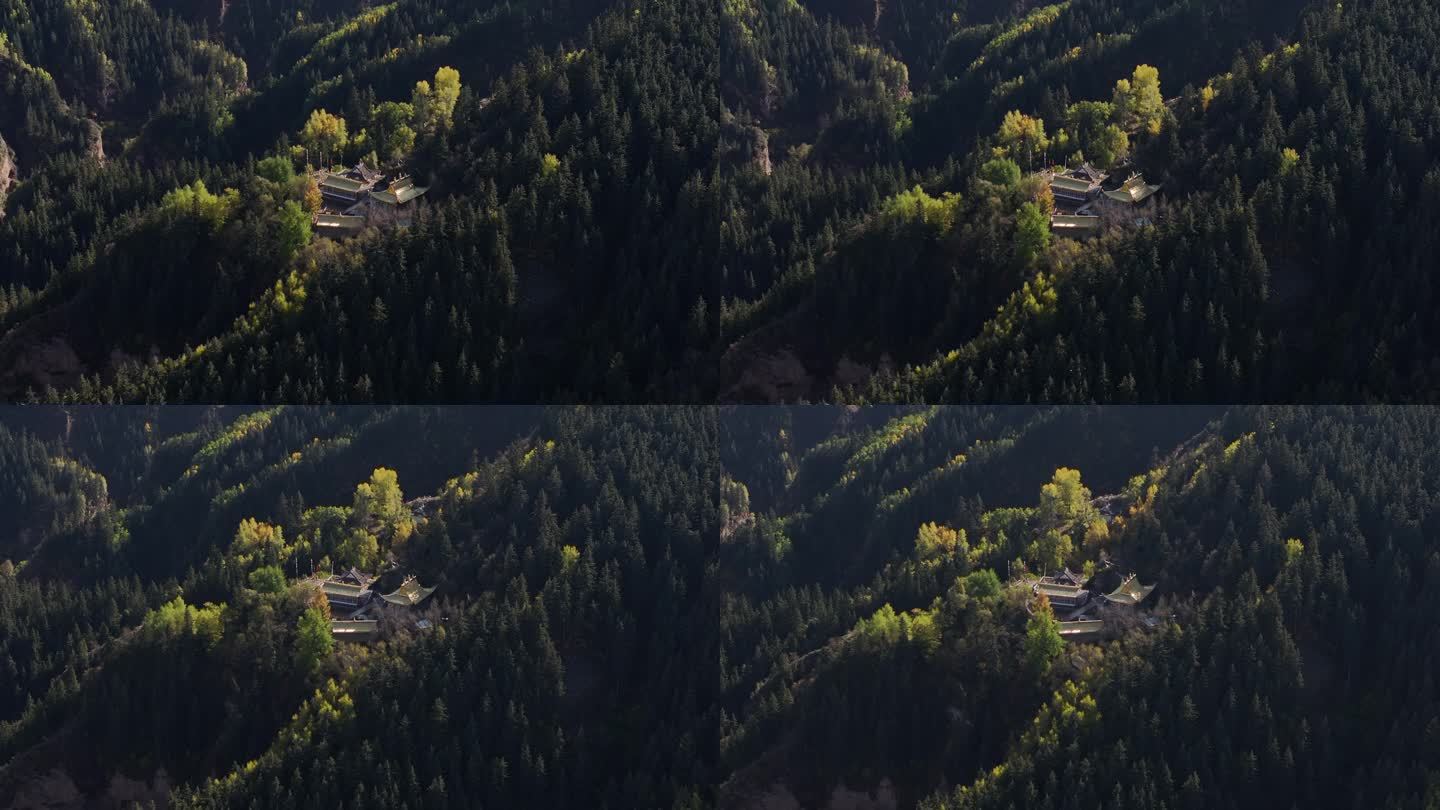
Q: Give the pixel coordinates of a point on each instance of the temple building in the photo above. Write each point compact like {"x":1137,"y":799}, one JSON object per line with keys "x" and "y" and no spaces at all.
{"x":1089,"y":172}
{"x":341,"y":190}
{"x":409,"y":594}
{"x":1130,"y":592}
{"x":338,"y":226}
{"x":1071,"y":191}
{"x":399,"y":192}
{"x":1067,"y":577}
{"x":353,"y":630}
{"x":396,"y":203}
{"x":1086,"y":630}
{"x":1134,"y":193}
{"x":1076,"y":188}
{"x":345,"y":595}
{"x":1075,"y":226}
{"x":354,"y":576}
{"x":360,"y":197}
{"x":1061,"y":594}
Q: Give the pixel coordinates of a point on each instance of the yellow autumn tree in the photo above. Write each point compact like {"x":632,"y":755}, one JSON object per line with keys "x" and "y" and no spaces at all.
{"x":1023,"y":138}
{"x":325,"y":135}
{"x":379,"y":500}
{"x":933,"y":541}
{"x":360,"y":549}
{"x":1289,"y":159}
{"x":1096,"y":533}
{"x":434,"y":105}
{"x":1137,"y":102}
{"x":1051,"y":550}
{"x":379,"y":507}
{"x":258,"y":543}
{"x":1065,"y":501}
{"x":569,"y":556}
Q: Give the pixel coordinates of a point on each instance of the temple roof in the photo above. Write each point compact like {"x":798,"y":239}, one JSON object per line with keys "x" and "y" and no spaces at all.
{"x":353,"y":576}
{"x":353,"y":629}
{"x":1090,"y":173}
{"x":1081,"y":631}
{"x":409,"y":594}
{"x":1059,"y":590}
{"x":399,"y":192}
{"x":1070,"y":184}
{"x":344,"y":590}
{"x":1135,"y":190}
{"x":340,"y":182}
{"x":1066,"y":577}
{"x":339,"y":221}
{"x":363,"y":172}
{"x":1130,"y":592}
{"x":1072,"y":222}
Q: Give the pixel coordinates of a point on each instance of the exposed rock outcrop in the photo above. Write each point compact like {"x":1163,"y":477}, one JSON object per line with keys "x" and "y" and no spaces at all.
{"x":34,"y":355}
{"x":56,"y":789}
{"x":51,"y":791}
{"x":768,"y":376}
{"x":94,"y":140}
{"x":50,"y":362}
{"x":784,"y":361}
{"x":8,"y":173}
{"x":760,"y":149}
{"x":126,"y":792}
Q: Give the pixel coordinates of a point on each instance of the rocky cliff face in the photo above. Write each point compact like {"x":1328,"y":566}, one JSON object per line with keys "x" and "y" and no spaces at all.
{"x":760,"y":149}
{"x":8,"y":173}
{"x":94,"y":143}
{"x":36,"y":353}
{"x":38,"y":364}
{"x":50,"y":776}
{"x":56,"y":790}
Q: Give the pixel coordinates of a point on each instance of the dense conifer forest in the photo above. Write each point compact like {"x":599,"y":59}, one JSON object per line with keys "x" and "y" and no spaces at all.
{"x":167,"y":641}
{"x":890,"y":248}
{"x":886,"y":640}
{"x":163,"y":222}
{"x":642,"y":200}
{"x":263,"y":544}
{"x":743,"y":607}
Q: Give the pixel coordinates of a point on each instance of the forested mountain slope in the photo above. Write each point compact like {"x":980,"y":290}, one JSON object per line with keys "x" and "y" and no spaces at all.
{"x":161,"y":641}
{"x":560,"y":252}
{"x":683,"y":607}
{"x":882,"y":253}
{"x":1282,"y":659}
{"x":755,"y":200}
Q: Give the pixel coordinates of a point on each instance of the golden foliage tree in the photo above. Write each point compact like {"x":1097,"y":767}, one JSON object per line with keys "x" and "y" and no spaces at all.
{"x":325,"y":134}
{"x":1023,"y":138}
{"x":933,"y":541}
{"x":258,"y":543}
{"x":1138,"y":103}
{"x":1065,"y":500}
{"x":434,"y":105}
